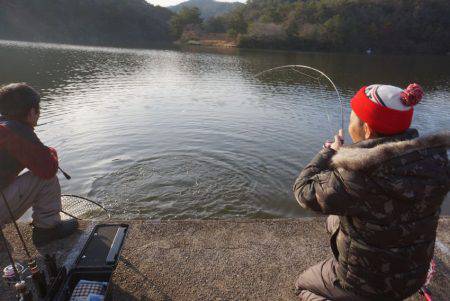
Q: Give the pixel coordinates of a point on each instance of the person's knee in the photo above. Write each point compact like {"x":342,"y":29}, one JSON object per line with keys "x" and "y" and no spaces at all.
{"x":306,"y":295}
{"x":302,"y":283}
{"x":49,"y":192}
{"x":332,"y":223}
{"x":52,"y":185}
{"x":33,"y":180}
{"x":298,"y":288}
{"x":303,"y":295}
{"x":299,"y":284}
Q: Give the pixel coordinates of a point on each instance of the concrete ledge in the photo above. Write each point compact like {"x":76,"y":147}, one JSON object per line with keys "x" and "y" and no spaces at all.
{"x":218,"y":259}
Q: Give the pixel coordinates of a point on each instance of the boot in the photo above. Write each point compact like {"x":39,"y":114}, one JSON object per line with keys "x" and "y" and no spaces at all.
{"x":43,"y":236}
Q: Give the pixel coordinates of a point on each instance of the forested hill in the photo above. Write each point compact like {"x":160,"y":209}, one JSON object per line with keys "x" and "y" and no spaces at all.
{"x":390,"y":26}
{"x":93,"y":22}
{"x":208,"y":8}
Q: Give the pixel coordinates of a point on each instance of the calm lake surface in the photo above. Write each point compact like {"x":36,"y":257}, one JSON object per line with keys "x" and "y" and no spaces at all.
{"x":192,"y":133}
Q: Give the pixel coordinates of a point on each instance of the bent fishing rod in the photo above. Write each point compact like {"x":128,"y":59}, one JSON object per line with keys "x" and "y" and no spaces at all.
{"x":293,"y":68}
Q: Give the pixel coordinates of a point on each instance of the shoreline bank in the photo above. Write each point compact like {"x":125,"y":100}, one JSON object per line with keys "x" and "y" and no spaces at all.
{"x":216,"y":259}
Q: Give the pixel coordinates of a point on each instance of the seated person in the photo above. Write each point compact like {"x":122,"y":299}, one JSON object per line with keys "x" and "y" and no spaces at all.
{"x":20,"y":148}
{"x":383,"y":194}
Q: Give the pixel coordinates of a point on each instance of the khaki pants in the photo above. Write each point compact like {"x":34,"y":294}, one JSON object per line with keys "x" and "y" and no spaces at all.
{"x":320,"y":282}
{"x":28,"y":191}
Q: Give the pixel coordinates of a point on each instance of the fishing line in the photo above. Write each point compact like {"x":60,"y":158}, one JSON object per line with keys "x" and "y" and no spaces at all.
{"x":307,"y":75}
{"x":293,"y":67}
{"x":323,"y":95}
{"x":327,"y":113}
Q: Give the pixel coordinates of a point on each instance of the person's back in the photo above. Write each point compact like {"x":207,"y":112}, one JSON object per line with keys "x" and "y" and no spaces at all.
{"x":387,"y":241}
{"x":387,"y":192}
{"x":9,"y":166}
{"x":17,"y":141}
{"x":21,"y":148}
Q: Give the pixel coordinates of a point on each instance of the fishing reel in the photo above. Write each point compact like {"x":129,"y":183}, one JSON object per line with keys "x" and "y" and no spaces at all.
{"x":14,"y":276}
{"x":9,"y":275}
{"x":18,"y":276}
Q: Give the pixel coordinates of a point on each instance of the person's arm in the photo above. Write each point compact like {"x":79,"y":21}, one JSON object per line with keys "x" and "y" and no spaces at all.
{"x":26,"y":147}
{"x":323,"y":189}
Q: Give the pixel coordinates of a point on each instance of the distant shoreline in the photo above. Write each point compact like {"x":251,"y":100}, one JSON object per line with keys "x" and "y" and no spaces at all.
{"x":87,"y":46}
{"x":206,"y":44}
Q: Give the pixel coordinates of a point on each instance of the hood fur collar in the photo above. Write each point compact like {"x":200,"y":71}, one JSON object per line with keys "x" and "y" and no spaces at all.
{"x":361,"y":157}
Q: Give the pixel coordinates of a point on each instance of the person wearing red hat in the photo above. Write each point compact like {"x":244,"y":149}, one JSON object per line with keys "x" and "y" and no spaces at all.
{"x":383,"y":195}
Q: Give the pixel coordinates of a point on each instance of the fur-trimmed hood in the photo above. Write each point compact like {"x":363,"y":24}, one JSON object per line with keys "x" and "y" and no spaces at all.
{"x":359,"y":157}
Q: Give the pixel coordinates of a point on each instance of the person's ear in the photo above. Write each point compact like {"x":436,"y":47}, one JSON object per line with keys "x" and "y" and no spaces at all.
{"x":369,"y":133}
{"x":31,"y":117}
{"x":31,"y":113}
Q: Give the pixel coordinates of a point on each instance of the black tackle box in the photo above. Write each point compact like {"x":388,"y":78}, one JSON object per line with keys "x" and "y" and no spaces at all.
{"x":96,"y":262}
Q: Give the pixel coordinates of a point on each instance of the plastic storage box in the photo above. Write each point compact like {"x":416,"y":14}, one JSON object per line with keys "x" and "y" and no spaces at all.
{"x":96,"y":262}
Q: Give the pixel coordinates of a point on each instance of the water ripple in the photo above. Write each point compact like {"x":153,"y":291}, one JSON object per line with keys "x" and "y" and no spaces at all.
{"x":175,"y":134}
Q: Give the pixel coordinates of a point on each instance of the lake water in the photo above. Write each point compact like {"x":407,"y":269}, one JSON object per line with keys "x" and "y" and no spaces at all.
{"x":192,"y":133}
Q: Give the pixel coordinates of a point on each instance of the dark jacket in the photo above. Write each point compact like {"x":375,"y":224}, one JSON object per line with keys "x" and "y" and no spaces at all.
{"x":387,"y":193}
{"x":20,"y":148}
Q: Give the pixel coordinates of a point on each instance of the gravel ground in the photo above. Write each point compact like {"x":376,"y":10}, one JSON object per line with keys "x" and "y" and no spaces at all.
{"x":216,"y":259}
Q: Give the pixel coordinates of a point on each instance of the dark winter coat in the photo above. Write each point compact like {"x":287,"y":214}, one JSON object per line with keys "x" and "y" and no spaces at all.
{"x":387,"y":193}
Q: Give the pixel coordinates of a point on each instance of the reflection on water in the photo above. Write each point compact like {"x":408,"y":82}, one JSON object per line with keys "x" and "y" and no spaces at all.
{"x":191,"y":133}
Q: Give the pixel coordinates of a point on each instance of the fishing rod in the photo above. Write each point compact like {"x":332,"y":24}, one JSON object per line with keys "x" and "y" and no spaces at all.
{"x":10,"y":257}
{"x":37,"y":276}
{"x":11,"y":215}
{"x":293,"y":68}
{"x":425,"y":290}
{"x":66,"y":175}
{"x":21,"y":288}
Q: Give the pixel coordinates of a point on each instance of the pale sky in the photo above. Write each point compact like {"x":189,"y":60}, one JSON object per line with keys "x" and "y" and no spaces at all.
{"x":174,"y":2}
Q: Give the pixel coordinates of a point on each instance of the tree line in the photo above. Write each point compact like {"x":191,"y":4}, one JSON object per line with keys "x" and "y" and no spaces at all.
{"x":387,"y":26}
{"x":130,"y":23}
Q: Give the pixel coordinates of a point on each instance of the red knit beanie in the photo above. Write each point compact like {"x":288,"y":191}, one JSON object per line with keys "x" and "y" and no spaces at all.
{"x":387,"y":109}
